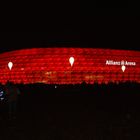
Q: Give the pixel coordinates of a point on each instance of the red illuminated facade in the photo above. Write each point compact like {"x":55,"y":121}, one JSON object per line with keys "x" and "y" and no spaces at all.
{"x":52,"y":66}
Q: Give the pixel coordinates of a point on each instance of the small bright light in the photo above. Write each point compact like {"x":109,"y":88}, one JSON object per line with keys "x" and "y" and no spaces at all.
{"x":71,"y":60}
{"x":123,"y":68}
{"x":10,"y":65}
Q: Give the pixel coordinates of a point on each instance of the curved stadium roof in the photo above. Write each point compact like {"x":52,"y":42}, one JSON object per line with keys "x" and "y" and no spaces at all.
{"x":52,"y":66}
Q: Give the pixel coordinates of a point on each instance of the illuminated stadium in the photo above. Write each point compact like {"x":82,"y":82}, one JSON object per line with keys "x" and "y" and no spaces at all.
{"x":69,"y":66}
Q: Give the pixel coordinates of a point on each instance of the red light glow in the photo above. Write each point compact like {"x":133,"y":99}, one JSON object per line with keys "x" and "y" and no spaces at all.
{"x":70,"y":65}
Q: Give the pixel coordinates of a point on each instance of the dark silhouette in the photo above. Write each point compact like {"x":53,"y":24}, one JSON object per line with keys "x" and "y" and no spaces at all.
{"x":80,"y":111}
{"x":12,"y":92}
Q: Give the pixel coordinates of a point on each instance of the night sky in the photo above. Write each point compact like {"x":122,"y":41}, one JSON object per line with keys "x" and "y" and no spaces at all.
{"x":115,"y":32}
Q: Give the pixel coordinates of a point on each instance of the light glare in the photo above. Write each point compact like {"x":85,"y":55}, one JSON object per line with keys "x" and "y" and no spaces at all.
{"x":123,"y":68}
{"x":10,"y":65}
{"x":71,"y":60}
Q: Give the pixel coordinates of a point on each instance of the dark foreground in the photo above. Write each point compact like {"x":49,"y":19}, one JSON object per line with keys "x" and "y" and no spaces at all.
{"x":71,"y":114}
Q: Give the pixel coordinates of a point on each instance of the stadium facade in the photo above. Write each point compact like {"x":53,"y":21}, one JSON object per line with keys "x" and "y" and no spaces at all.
{"x":53,"y":66}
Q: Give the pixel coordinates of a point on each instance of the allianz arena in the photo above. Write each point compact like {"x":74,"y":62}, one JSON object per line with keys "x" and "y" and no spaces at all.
{"x":53,"y":66}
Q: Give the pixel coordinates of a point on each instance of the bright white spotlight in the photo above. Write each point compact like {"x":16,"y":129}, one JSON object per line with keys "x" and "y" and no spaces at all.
{"x":123,"y":68}
{"x":71,"y":60}
{"x":10,"y":65}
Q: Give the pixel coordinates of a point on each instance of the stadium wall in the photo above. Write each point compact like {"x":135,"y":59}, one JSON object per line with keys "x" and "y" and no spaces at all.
{"x":52,"y":66}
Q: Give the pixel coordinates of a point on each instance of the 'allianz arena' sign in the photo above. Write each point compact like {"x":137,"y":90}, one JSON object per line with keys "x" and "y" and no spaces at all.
{"x":111,"y":62}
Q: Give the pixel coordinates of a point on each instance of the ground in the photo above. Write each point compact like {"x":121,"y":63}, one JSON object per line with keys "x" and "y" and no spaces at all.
{"x":74,"y":117}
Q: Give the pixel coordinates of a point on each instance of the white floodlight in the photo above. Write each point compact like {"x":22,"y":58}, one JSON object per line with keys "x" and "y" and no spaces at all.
{"x":71,"y":60}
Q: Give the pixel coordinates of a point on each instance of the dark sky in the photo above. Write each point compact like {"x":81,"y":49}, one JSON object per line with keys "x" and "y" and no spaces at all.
{"x":116,"y":32}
